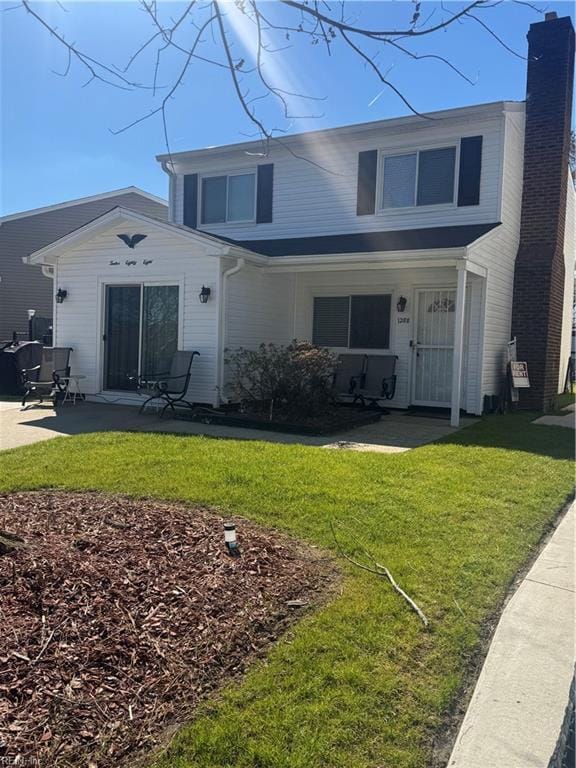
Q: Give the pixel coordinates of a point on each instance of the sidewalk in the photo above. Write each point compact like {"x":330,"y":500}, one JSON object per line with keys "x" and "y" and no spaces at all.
{"x":394,"y":433}
{"x":567,"y":418}
{"x":517,"y":709}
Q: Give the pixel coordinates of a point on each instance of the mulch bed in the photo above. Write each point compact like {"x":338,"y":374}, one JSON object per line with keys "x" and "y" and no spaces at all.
{"x":118,"y":616}
{"x":337,"y":420}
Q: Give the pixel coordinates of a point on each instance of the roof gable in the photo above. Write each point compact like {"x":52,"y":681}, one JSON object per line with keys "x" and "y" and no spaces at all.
{"x":112,"y":219}
{"x":111,"y":196}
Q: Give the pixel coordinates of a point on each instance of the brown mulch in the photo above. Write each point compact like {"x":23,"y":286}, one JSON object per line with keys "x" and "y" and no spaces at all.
{"x":117,"y":616}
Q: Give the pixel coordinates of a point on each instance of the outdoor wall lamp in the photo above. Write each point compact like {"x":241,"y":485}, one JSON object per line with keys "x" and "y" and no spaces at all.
{"x":401,"y":304}
{"x":204,"y":294}
{"x":230,"y":539}
{"x":61,"y":295}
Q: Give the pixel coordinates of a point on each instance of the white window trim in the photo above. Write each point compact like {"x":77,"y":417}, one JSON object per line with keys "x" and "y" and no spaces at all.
{"x":455,"y":144}
{"x":103,"y":284}
{"x":349,"y":295}
{"x":227,"y":174}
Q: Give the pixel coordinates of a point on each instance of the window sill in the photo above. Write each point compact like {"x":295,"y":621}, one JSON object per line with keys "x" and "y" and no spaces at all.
{"x":416,"y":209}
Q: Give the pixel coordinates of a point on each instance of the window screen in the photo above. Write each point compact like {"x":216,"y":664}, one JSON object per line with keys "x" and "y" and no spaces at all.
{"x":355,"y":322}
{"x":436,"y":176}
{"x":241,"y":197}
{"x":330,"y":325}
{"x":214,"y":200}
{"x":399,"y":181}
{"x":370,"y":322}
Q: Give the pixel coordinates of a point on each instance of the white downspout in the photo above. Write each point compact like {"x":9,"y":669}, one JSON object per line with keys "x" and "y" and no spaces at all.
{"x":49,"y":270}
{"x":171,"y":190}
{"x":240,"y":264}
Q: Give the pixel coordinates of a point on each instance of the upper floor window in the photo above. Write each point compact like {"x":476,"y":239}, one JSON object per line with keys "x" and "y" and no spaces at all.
{"x":228,"y":198}
{"x":419,"y":178}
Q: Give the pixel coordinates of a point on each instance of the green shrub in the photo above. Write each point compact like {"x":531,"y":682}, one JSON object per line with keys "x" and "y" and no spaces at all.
{"x":296,"y":379}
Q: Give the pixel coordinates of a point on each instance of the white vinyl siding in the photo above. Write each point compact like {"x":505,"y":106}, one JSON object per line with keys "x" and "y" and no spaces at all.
{"x":84,"y":272}
{"x":497,"y":252}
{"x":396,"y":283}
{"x":315,"y":194}
{"x":569,"y":255}
{"x":259,"y":310}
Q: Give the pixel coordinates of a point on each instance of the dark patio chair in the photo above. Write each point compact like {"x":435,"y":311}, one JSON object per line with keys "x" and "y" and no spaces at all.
{"x":379,"y":380}
{"x":169,"y":386}
{"x":348,"y":377}
{"x":50,"y":378}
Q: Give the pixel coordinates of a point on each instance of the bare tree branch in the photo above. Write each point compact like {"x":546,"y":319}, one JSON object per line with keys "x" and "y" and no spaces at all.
{"x":206,"y":32}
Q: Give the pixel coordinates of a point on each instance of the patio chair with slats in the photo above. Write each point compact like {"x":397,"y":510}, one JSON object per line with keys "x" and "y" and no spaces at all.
{"x":379,"y":380}
{"x":348,"y":377}
{"x":169,"y":386}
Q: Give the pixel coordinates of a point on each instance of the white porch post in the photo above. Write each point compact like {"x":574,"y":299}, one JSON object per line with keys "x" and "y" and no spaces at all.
{"x":458,"y":344}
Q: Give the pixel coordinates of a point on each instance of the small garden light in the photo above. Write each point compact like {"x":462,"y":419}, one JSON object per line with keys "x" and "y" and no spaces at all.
{"x":230,"y":539}
{"x":204,"y":294}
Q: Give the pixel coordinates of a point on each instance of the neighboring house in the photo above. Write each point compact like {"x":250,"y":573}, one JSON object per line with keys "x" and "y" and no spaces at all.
{"x":466,"y":214}
{"x":23,"y":288}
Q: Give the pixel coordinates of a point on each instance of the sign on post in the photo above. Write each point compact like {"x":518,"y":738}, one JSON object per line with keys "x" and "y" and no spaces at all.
{"x":519,"y":372}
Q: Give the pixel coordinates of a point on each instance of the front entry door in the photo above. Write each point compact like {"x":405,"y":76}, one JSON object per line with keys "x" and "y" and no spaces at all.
{"x":433,"y":347}
{"x":141,"y":332}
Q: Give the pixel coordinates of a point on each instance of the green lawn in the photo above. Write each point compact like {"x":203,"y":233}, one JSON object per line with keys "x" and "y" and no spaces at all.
{"x":361,"y":682}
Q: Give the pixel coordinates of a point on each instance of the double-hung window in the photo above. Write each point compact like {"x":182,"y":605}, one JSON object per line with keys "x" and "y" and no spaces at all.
{"x":353,"y":322}
{"x":418,"y":178}
{"x":228,"y":198}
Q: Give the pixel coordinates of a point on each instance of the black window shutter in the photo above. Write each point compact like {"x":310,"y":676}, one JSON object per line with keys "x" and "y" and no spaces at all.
{"x":264,"y":194}
{"x":191,"y":200}
{"x":366,"y":195}
{"x":470,"y":170}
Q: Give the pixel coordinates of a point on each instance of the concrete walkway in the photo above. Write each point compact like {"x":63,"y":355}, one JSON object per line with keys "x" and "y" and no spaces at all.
{"x":518,"y":706}
{"x":394,"y":433}
{"x":567,"y":418}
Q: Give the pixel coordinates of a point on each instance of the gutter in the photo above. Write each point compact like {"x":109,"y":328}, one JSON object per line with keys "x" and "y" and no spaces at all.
{"x":240,"y":264}
{"x":171,"y":189}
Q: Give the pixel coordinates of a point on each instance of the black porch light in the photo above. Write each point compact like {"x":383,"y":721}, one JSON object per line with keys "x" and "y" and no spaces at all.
{"x":61,"y":294}
{"x":401,"y":304}
{"x":204,"y":294}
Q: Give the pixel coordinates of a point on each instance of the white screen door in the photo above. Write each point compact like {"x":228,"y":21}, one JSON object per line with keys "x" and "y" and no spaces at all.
{"x":434,"y":347}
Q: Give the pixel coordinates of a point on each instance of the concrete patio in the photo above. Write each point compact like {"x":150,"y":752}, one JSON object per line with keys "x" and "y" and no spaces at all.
{"x":395,"y":433}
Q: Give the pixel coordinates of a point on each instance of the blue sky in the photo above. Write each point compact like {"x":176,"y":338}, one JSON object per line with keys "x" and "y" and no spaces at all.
{"x":56,"y":139}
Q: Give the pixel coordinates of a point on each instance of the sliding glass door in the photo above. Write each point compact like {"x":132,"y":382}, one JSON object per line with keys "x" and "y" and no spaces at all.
{"x":141,"y":332}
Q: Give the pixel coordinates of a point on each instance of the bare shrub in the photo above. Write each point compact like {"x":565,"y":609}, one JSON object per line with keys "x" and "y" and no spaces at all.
{"x":296,"y":378}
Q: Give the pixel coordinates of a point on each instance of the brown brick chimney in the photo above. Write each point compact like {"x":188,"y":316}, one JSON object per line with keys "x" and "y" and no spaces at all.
{"x":539,"y":274}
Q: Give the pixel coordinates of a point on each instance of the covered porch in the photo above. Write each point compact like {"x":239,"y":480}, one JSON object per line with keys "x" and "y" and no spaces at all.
{"x":426,"y":309}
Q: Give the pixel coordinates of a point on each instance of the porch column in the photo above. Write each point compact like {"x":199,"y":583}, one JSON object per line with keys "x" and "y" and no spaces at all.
{"x":458,"y":344}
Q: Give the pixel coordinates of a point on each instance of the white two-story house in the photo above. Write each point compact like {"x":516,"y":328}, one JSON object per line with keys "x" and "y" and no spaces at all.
{"x":431,"y":238}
